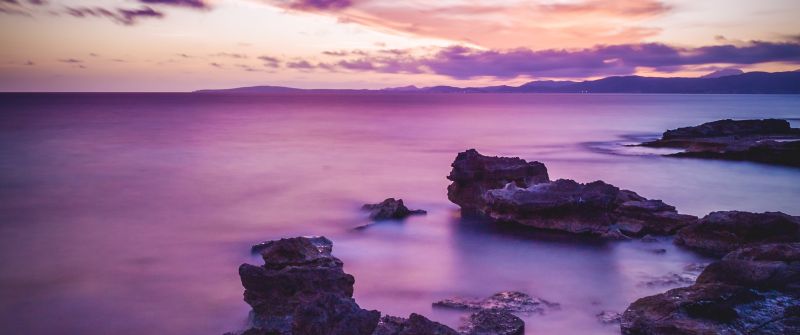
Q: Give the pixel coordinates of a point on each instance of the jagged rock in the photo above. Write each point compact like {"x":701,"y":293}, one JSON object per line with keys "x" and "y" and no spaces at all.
{"x":473,"y":174}
{"x":510,"y":301}
{"x":415,"y":325}
{"x":333,"y":314}
{"x":493,"y":322}
{"x":608,"y":317}
{"x":750,"y":291}
{"x":302,"y":289}
{"x":767,"y":141}
{"x":513,"y":190}
{"x":594,"y":208}
{"x":765,"y":267}
{"x":390,"y":209}
{"x":721,"y":232}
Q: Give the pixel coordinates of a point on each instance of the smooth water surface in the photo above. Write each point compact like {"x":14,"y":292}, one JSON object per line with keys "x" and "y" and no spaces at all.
{"x":130,"y":213}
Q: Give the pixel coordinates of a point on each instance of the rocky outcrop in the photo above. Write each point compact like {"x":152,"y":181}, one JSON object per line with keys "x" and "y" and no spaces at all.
{"x":302,"y":289}
{"x":721,"y":232}
{"x":753,"y":290}
{"x":510,"y":301}
{"x":594,"y":208}
{"x":390,"y":209}
{"x":767,"y":141}
{"x":494,"y":322}
{"x":474,"y":174}
{"x":513,"y":190}
{"x":415,"y":325}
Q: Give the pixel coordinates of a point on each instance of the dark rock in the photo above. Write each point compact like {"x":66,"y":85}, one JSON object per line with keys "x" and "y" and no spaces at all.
{"x":390,"y":209}
{"x":769,"y":141}
{"x":766,"y":267}
{"x":510,"y":301}
{"x":752,"y":290}
{"x":493,"y":322}
{"x":302,"y":289}
{"x":721,"y":232}
{"x":732,"y":128}
{"x":332,"y":314}
{"x":415,"y":325}
{"x":594,"y":208}
{"x":473,"y":174}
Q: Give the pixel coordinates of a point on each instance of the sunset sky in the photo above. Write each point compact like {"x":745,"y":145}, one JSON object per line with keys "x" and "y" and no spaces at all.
{"x":183,"y":45}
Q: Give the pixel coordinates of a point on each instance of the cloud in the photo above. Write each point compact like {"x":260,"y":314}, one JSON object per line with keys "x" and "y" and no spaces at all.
{"x":230,"y":55}
{"x":70,"y":60}
{"x":194,"y":4}
{"x":506,"y":24}
{"x":300,"y":65}
{"x":122,"y":16}
{"x":461,"y":62}
{"x":318,"y":4}
{"x":270,"y":61}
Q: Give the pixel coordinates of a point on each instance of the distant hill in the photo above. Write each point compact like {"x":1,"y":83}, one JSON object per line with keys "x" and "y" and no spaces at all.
{"x":721,"y":82}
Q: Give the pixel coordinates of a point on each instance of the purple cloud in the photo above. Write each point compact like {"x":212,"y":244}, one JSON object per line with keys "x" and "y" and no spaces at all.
{"x":464,"y":63}
{"x":70,"y":61}
{"x":195,"y":4}
{"x":320,"y":4}
{"x":270,"y":61}
{"x":300,"y":65}
{"x":122,"y":16}
{"x":230,"y":55}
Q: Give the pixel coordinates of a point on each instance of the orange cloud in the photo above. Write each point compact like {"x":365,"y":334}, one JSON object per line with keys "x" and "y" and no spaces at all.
{"x":506,"y":25}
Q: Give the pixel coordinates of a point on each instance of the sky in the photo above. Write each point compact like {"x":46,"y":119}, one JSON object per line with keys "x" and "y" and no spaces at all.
{"x":184,"y":45}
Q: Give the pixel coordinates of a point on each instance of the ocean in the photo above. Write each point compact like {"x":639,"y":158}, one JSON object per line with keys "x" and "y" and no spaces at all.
{"x":130,"y":213}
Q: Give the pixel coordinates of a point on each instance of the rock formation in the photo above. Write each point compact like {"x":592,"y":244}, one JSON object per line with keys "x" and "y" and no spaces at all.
{"x":767,"y":141}
{"x":513,"y":190}
{"x":754,"y":290}
{"x":302,"y":290}
{"x":390,"y":209}
{"x":721,"y":232}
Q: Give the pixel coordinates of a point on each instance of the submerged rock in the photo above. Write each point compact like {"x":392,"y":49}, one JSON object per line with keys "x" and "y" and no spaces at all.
{"x":302,"y":289}
{"x":513,"y":190}
{"x":608,"y":317}
{"x":750,"y":291}
{"x":493,"y":322}
{"x":721,"y":232}
{"x":510,"y":301}
{"x":390,"y":209}
{"x":767,"y":141}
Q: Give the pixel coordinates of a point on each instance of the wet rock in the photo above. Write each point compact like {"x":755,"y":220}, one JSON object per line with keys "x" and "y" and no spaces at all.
{"x":767,"y":141}
{"x":473,"y":174}
{"x":721,"y":232}
{"x":649,"y":238}
{"x":302,"y":289}
{"x":595,"y":208}
{"x":510,"y":301}
{"x":608,"y":317}
{"x":493,"y":322}
{"x":753,"y":290}
{"x":765,"y":267}
{"x":390,"y":209}
{"x":333,"y":315}
{"x":415,"y":325}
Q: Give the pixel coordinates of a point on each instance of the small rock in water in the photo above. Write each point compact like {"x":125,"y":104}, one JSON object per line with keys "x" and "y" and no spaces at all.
{"x":493,"y":322}
{"x":649,"y":238}
{"x":608,"y":317}
{"x":658,"y":251}
{"x":390,"y":209}
{"x":510,"y":301}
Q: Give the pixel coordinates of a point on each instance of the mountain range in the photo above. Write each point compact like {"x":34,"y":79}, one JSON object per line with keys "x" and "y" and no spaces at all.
{"x":728,"y":81}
